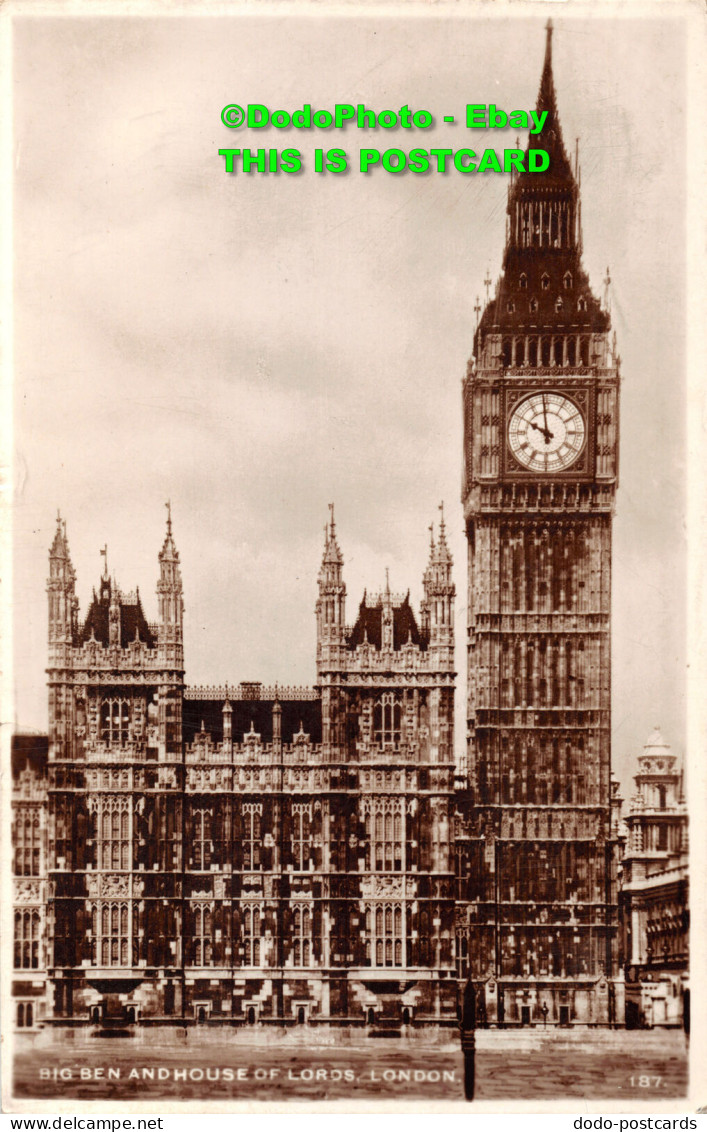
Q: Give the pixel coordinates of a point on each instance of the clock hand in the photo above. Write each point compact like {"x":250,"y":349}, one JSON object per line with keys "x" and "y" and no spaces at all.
{"x":548,"y":434}
{"x":545,"y":431}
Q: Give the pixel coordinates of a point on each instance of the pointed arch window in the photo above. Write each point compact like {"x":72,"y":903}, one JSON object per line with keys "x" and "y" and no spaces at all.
{"x":385,"y":940}
{"x":582,"y":304}
{"x":251,"y":931}
{"x":558,"y":304}
{"x":533,"y":306}
{"x":567,"y":281}
{"x":113,"y":832}
{"x":27,"y":841}
{"x":203,"y":918}
{"x":201,"y":840}
{"x":523,"y":281}
{"x":252,"y":813}
{"x":387,"y":717}
{"x":510,"y":306}
{"x":301,"y":835}
{"x":302,"y":935}
{"x":110,"y":934}
{"x":27,"y":932}
{"x":385,"y":835}
{"x":115,"y":721}
{"x":545,"y":281}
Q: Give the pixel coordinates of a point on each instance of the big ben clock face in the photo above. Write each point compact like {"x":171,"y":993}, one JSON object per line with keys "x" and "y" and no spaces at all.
{"x":546,"y":432}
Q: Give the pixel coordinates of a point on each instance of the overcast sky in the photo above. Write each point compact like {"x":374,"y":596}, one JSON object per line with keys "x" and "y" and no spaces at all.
{"x":254,"y":347}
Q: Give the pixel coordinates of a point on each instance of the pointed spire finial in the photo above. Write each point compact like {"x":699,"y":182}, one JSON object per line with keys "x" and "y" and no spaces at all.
{"x":432,"y":536}
{"x":387,"y":583}
{"x":104,"y":555}
{"x":332,"y":526}
{"x":487,"y":283}
{"x":548,"y":43}
{"x":607,"y":290}
{"x":441,"y":519}
{"x":168,"y":505}
{"x":477,"y":311}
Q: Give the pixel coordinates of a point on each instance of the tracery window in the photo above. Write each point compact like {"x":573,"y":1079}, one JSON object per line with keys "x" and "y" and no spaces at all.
{"x":385,"y":830}
{"x":203,"y":918}
{"x":113,"y":832}
{"x":25,"y":1015}
{"x":251,"y":931}
{"x":302,"y":935}
{"x":110,"y":932}
{"x":27,"y":839}
{"x":386,"y":721}
{"x":115,"y":720}
{"x":384,"y":935}
{"x":252,"y":813}
{"x":201,"y":843}
{"x":301,"y":834}
{"x":27,"y":929}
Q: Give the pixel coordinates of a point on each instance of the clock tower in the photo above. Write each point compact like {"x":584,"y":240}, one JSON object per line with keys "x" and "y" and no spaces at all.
{"x":536,"y":923}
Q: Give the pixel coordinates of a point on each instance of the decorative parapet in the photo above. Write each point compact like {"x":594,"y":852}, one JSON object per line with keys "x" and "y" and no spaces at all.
{"x":249,"y":691}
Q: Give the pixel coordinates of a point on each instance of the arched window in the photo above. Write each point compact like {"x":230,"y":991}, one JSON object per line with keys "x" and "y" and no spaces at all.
{"x":510,"y":306}
{"x":251,"y":920}
{"x":387,"y":718}
{"x":27,"y":842}
{"x":567,"y":280}
{"x":384,"y":926}
{"x":523,"y":281}
{"x":201,"y":840}
{"x":115,"y":721}
{"x":302,"y":935}
{"x":558,"y":304}
{"x":533,"y":306}
{"x":251,"y":841}
{"x":27,"y":931}
{"x":545,"y":281}
{"x":385,"y":829}
{"x":582,"y":304}
{"x":301,"y":835}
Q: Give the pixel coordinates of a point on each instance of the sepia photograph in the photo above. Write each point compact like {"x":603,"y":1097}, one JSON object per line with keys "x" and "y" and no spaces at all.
{"x":348,"y":722}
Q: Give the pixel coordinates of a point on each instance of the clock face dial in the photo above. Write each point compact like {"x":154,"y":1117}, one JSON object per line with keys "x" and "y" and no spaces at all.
{"x":546,"y":432}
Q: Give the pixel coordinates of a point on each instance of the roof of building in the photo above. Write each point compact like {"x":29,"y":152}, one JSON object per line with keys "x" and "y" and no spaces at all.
{"x":132,"y":618}
{"x":29,"y":752}
{"x":256,"y":715}
{"x":369,"y":624}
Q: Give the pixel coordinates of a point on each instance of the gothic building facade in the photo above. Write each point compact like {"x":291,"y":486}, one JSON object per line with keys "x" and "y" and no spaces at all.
{"x":241,"y":855}
{"x":654,"y":891}
{"x":537,"y":866}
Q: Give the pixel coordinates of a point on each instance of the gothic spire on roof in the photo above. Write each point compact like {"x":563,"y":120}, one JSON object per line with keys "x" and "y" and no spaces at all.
{"x":332,"y":554}
{"x":60,"y":546}
{"x":169,"y":552}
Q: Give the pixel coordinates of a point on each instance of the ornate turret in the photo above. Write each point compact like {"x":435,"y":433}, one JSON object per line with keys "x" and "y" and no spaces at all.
{"x":169,"y":595}
{"x":61,"y":588}
{"x":438,"y":602}
{"x":330,"y":607}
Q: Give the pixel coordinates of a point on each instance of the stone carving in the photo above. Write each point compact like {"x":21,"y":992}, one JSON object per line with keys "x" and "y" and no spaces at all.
{"x":115,"y":885}
{"x":28,"y":891}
